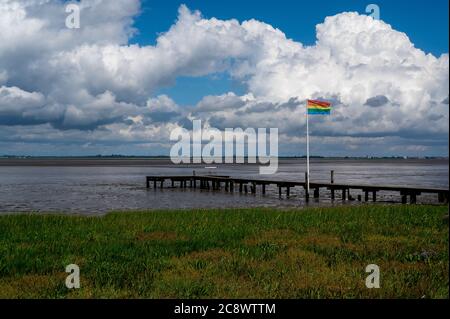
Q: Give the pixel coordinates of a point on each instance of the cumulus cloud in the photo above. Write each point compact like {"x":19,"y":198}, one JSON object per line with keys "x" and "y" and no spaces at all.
{"x":91,"y":86}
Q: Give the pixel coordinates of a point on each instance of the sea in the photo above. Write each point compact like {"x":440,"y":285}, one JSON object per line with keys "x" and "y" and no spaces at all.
{"x":96,"y":186}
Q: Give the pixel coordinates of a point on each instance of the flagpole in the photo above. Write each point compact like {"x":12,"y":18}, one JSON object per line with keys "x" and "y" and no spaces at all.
{"x":307,"y":148}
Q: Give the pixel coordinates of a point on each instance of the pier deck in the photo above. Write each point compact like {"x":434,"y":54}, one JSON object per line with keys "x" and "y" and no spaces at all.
{"x":246,"y":185}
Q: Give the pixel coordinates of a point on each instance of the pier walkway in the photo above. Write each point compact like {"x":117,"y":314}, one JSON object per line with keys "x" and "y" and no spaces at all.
{"x":251,"y":185}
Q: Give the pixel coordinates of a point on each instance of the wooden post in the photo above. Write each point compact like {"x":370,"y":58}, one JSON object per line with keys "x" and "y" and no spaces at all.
{"x":366,"y":196}
{"x":316,"y":192}
{"x":279,"y":191}
{"x":246,"y":188}
{"x":413,"y":198}
{"x":263,"y":188}
{"x":374,"y":196}
{"x":344,"y":194}
{"x":154,"y":184}
{"x":162,"y":183}
{"x":240,"y":187}
{"x":404,"y":198}
{"x":359,"y":197}
{"x":442,"y":197}
{"x":148,"y":182}
{"x":288,"y":191}
{"x":253,"y":188}
{"x":332,"y":193}
{"x":332,"y":177}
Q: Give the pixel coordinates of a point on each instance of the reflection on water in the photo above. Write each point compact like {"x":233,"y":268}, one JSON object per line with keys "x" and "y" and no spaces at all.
{"x":94,"y":190}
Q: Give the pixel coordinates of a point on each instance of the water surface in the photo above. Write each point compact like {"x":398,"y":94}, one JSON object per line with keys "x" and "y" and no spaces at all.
{"x":98,"y":186}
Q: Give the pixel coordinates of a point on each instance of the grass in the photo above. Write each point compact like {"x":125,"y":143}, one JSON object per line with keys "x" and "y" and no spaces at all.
{"x":232,"y":253}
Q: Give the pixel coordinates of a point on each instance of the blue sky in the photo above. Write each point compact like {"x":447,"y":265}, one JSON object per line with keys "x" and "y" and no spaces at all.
{"x":425,"y":22}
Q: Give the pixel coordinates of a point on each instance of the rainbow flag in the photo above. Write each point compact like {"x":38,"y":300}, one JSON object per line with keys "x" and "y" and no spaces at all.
{"x":318,"y":107}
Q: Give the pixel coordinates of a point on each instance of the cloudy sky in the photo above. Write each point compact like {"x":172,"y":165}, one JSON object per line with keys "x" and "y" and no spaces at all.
{"x":136,"y":70}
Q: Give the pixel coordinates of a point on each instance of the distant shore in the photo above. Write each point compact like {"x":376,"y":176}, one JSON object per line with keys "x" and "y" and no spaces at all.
{"x":165,"y":161}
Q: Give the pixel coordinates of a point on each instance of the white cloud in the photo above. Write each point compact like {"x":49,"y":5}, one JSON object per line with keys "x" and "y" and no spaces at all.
{"x":91,"y":79}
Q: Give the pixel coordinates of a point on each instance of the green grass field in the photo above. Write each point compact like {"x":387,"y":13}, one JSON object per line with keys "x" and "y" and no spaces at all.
{"x":230,"y":253}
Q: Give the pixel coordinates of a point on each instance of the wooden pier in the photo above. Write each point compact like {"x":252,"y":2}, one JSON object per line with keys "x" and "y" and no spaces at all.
{"x":245,"y":185}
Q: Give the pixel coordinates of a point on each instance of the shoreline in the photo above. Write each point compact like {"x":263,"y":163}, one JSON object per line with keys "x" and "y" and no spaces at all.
{"x":155,"y":161}
{"x":287,"y":208}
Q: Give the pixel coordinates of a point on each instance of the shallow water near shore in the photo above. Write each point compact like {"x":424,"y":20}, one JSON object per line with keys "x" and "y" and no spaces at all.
{"x":97,"y":186}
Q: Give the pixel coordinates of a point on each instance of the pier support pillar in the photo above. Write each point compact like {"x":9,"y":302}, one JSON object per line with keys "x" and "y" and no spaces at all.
{"x":316,"y":193}
{"x":374,"y":196}
{"x":404,"y":198}
{"x":279,"y":191}
{"x":442,"y":198}
{"x":263,"y":188}
{"x":344,"y":194}
{"x":240,"y":187}
{"x":366,"y":196}
{"x":413,"y":198}
{"x":288,"y":192}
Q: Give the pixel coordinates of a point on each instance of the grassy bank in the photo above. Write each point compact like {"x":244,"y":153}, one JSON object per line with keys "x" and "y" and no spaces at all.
{"x":236,"y":253}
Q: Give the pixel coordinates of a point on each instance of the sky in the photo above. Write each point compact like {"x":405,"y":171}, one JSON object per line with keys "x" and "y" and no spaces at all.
{"x":297,"y":19}
{"x":135,"y":71}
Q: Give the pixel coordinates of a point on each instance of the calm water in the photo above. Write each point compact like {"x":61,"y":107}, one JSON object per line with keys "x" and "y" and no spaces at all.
{"x":96,"y":188}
